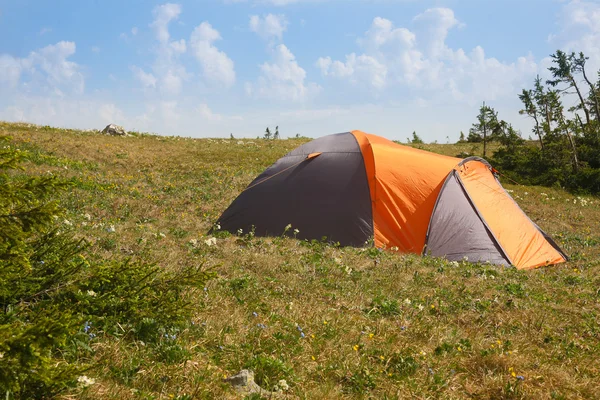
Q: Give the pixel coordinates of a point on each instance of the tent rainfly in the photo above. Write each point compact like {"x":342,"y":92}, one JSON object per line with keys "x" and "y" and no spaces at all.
{"x":352,"y":187}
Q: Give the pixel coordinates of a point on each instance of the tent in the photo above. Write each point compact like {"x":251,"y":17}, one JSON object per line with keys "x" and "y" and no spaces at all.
{"x":352,"y":187}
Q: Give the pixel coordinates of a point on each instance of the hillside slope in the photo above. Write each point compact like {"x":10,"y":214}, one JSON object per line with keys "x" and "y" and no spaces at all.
{"x":333,"y":322}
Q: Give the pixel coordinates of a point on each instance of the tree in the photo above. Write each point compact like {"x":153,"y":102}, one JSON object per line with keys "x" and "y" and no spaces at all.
{"x":527,"y":97}
{"x":276,"y":135}
{"x":562,"y":72}
{"x":594,"y":95}
{"x":416,"y":139}
{"x":462,"y":138}
{"x":267,"y":133}
{"x":486,"y":122}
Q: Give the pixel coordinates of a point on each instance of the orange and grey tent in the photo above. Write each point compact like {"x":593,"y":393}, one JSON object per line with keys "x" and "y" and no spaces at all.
{"x":352,"y":187}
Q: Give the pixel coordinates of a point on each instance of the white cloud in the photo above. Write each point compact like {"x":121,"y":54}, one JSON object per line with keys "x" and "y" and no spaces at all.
{"x":168,"y":74}
{"x":145,"y":78}
{"x":283,"y":78}
{"x":357,"y":69}
{"x":163,"y":15}
{"x":269,"y":27}
{"x":420,"y":59}
{"x":48,"y":69}
{"x":206,"y":113}
{"x":217,"y":67}
{"x":10,"y":70}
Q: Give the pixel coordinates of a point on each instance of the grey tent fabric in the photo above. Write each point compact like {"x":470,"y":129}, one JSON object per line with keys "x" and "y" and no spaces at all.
{"x":456,"y":231}
{"x":324,"y":196}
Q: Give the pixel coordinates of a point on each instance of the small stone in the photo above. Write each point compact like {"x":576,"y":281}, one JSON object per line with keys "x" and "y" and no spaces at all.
{"x":243,"y":382}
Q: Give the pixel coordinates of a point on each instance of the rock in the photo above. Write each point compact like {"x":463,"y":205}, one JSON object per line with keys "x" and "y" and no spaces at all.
{"x":114,"y":130}
{"x":243,"y":383}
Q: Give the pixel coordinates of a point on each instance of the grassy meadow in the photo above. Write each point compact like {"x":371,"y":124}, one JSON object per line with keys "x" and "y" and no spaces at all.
{"x":335,"y":323}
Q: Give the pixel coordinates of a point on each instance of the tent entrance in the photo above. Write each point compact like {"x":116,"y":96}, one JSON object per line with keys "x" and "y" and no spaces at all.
{"x":456,"y":230}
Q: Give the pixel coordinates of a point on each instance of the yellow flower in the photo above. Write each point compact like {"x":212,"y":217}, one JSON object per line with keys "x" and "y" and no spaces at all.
{"x":324,"y":322}
{"x":459,"y":349}
{"x":499,"y":342}
{"x":432,"y":306}
{"x":382,"y":357}
{"x":355,"y":347}
{"x":371,"y":335}
{"x":313,"y":358}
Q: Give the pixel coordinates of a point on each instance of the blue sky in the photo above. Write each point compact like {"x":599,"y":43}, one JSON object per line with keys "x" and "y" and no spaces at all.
{"x":214,"y":67}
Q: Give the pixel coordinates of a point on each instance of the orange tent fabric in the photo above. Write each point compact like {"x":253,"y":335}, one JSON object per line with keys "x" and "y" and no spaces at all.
{"x":404,"y":183}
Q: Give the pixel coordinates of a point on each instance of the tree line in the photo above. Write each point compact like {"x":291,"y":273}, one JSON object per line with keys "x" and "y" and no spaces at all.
{"x":565,"y":111}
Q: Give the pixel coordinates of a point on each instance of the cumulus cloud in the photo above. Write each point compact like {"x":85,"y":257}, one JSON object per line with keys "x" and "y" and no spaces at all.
{"x":48,"y":68}
{"x":217,"y":67}
{"x":419,"y":58}
{"x":269,"y":27}
{"x":282,"y":78}
{"x":356,"y":69}
{"x":163,"y":15}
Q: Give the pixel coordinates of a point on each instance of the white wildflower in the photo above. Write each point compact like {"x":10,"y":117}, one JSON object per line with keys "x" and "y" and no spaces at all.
{"x":67,"y":222}
{"x":87,"y":216}
{"x":91,"y":293}
{"x":111,"y":229}
{"x":240,"y":232}
{"x":211,"y":241}
{"x":543,"y":194}
{"x":420,"y":307}
{"x":348,"y":270}
{"x":217,"y":226}
{"x":282,"y":386}
{"x":337,"y":260}
{"x":194,"y":242}
{"x":454,"y":263}
{"x":85,"y":381}
{"x":407,"y":301}
{"x":296,"y":231}
{"x":394,"y":248}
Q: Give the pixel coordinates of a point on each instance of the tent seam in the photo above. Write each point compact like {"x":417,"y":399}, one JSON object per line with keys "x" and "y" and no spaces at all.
{"x":483,"y":220}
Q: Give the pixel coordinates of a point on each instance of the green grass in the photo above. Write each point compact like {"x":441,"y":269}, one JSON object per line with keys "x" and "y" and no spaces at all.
{"x":333,"y":322}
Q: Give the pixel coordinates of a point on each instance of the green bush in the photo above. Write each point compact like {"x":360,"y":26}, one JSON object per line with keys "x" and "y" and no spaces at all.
{"x":54,"y":301}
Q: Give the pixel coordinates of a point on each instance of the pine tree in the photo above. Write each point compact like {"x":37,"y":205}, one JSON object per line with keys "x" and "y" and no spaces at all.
{"x":483,"y":128}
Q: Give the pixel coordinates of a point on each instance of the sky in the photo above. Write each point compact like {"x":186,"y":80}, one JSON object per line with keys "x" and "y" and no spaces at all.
{"x":211,"y":68}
